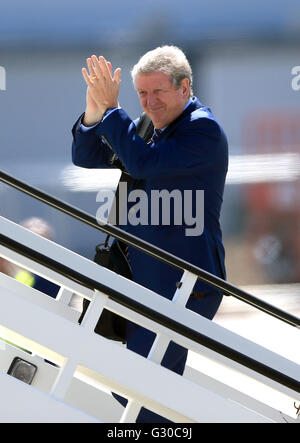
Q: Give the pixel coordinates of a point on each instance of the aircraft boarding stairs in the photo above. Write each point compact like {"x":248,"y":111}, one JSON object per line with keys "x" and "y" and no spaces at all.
{"x":245,"y":382}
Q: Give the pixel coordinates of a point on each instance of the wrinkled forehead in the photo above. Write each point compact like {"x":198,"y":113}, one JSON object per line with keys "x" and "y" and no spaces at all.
{"x":153,"y":80}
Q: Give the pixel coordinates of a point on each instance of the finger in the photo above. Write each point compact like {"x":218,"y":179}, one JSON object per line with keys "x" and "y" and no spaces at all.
{"x":91,"y":67}
{"x":117,"y":76}
{"x":104,"y":67}
{"x":108,"y":65}
{"x":86,"y":77}
{"x":110,"y":68}
{"x":97,"y":69}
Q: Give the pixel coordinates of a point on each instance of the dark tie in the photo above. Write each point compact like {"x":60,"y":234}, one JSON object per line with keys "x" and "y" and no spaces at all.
{"x":156,"y":136}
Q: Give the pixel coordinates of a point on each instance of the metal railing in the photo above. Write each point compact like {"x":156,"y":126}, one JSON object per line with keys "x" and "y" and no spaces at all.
{"x":157,"y":317}
{"x":226,"y":287}
{"x":49,"y":330}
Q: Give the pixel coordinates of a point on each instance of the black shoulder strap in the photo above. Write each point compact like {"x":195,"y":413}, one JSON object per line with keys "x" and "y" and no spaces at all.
{"x":145,"y":127}
{"x":145,"y":130}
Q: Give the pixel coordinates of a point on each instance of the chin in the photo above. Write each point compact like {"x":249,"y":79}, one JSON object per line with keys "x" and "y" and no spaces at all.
{"x":159,"y":124}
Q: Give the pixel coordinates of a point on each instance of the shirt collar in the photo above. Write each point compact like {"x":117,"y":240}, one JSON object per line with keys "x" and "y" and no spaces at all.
{"x":188,"y":103}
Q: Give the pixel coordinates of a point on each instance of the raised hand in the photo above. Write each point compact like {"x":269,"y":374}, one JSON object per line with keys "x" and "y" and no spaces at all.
{"x":103,"y":88}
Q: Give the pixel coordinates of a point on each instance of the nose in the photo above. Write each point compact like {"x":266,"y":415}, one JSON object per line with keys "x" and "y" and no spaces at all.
{"x":151,"y":100}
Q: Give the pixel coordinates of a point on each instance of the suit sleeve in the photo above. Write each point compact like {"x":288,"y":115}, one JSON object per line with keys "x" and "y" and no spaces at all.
{"x":195,"y":145}
{"x":88,"y":150}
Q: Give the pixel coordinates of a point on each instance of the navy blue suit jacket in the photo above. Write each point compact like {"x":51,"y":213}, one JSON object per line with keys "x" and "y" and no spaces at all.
{"x":191,"y":154}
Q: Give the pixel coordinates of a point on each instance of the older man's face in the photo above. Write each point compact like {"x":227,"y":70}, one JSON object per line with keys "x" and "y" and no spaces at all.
{"x":160,"y":100}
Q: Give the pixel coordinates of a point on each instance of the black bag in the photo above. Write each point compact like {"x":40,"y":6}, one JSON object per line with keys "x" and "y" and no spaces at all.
{"x":111,"y":325}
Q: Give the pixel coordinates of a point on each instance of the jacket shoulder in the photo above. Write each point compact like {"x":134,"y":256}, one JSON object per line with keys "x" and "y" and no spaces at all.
{"x":201,"y":120}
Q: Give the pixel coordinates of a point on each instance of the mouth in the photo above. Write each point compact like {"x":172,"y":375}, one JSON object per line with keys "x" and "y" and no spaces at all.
{"x":153,"y":111}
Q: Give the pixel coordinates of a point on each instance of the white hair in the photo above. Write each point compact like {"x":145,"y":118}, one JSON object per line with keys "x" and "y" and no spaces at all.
{"x":167,"y":59}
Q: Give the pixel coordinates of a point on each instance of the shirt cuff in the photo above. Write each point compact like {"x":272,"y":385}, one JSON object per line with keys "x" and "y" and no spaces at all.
{"x":87,"y":128}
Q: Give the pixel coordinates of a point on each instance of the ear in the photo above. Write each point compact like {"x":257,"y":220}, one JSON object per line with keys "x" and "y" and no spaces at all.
{"x":185,"y":86}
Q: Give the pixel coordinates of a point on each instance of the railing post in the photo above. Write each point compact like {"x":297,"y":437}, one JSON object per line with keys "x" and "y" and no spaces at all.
{"x":131,"y":412}
{"x":184,"y":288}
{"x":158,"y":348}
{"x":94,"y":310}
{"x":63,"y":380}
{"x":64,"y":296}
